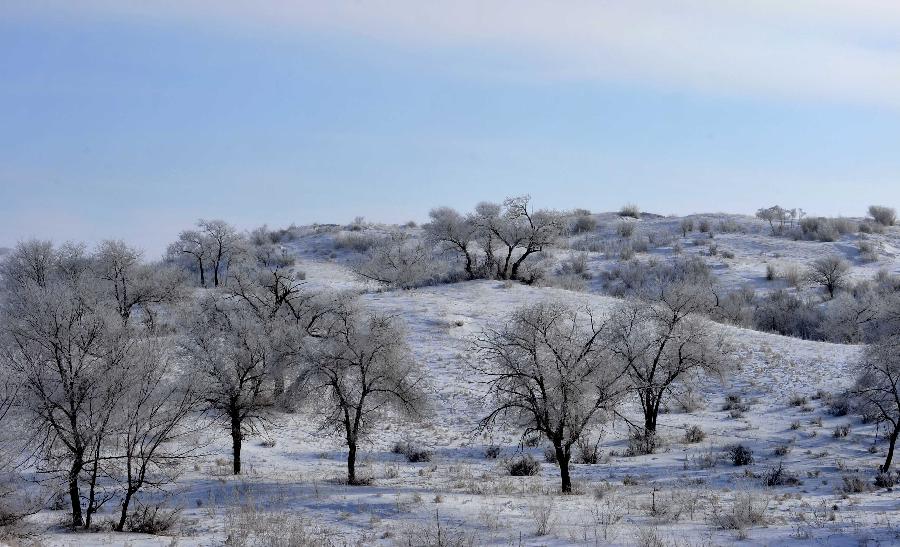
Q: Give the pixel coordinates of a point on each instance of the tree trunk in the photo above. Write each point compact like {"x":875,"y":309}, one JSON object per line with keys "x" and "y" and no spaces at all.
{"x":202,"y":274}
{"x":892,"y":442}
{"x":351,"y":463}
{"x":74,"y":494}
{"x":123,"y":515}
{"x":236,"y":438}
{"x":562,"y":458}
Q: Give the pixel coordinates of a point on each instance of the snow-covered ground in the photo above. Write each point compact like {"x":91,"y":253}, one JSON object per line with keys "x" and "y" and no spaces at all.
{"x":292,"y":483}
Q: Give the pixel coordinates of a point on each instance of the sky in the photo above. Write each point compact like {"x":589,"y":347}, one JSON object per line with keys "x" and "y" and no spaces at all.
{"x":132,"y":119}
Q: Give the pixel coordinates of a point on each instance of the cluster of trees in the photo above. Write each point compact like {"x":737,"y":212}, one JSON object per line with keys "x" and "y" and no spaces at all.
{"x":123,"y":370}
{"x":560,"y":371}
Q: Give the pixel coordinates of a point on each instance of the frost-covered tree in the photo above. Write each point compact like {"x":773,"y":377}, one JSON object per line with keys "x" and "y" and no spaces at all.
{"x":358,"y":370}
{"x":512,"y":232}
{"x":134,"y":286}
{"x":229,"y":351}
{"x":831,"y":272}
{"x":70,"y":354}
{"x":155,"y":425}
{"x":878,"y":387}
{"x":777,"y":217}
{"x":400,"y":261}
{"x":547,"y":371}
{"x":661,"y":343}
{"x":191,"y":250}
{"x":456,"y":233}
{"x":210,"y":248}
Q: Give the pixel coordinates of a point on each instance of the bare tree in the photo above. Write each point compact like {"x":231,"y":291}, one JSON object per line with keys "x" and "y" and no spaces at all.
{"x":69,"y":353}
{"x":192,"y":244}
{"x":776,"y":216}
{"x":223,"y":243}
{"x":878,"y":387}
{"x":399,"y":260}
{"x":831,"y":272}
{"x":663,"y":341}
{"x":154,"y":433}
{"x":456,"y":233}
{"x":547,"y":371}
{"x":133,"y":285}
{"x":513,"y":232}
{"x":360,"y":369}
{"x":228,"y":349}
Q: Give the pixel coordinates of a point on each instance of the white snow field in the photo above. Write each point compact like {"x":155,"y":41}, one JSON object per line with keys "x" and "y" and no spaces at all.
{"x":291,"y":491}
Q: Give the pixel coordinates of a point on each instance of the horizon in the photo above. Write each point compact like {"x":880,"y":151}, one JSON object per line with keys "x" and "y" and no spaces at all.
{"x":130,"y":121}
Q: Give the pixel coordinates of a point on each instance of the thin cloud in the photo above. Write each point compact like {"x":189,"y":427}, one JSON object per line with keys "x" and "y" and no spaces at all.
{"x":824,"y":50}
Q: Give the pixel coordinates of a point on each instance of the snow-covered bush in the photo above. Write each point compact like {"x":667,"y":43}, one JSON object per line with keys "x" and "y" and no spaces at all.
{"x":740,"y":455}
{"x":630,"y":210}
{"x":523,"y":466}
{"x":886,"y":216}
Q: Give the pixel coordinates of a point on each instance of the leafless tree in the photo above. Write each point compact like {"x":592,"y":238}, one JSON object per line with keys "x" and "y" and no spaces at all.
{"x":456,"y":233}
{"x":400,"y":261}
{"x":512,"y":232}
{"x":547,"y":371}
{"x":133,"y":285}
{"x":362,"y":367}
{"x":831,"y":272}
{"x":878,"y":387}
{"x":192,"y":244}
{"x":662,"y":341}
{"x":886,"y":216}
{"x":155,"y":425}
{"x":69,"y":353}
{"x":223,"y":242}
{"x":229,"y":351}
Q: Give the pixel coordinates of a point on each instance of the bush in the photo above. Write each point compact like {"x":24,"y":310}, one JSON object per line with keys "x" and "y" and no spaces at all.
{"x":733,"y":401}
{"x":798,"y":400}
{"x":746,"y":510}
{"x":687,"y":226}
{"x":853,"y":484}
{"x":152,"y":520}
{"x":583,"y":223}
{"x":492,"y":452}
{"x":641,"y":442}
{"x":625,"y":228}
{"x":705,"y":227}
{"x":523,"y":466}
{"x":886,"y":479}
{"x":841,"y":431}
{"x":413,"y":453}
{"x":771,"y":272}
{"x":355,"y":241}
{"x":886,"y":216}
{"x":630,"y":210}
{"x":740,"y":455}
{"x":588,"y":453}
{"x":550,"y":455}
{"x":838,"y":405}
{"x":777,"y":475}
{"x":694,"y":434}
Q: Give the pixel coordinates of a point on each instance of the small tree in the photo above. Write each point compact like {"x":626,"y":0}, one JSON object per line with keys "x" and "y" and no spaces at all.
{"x":229,"y":351}
{"x":831,"y":272}
{"x":886,"y":216}
{"x":456,"y":233}
{"x":547,"y":372}
{"x":154,"y":433}
{"x":661,"y":342}
{"x":687,"y":226}
{"x":776,"y":216}
{"x":878,"y":388}
{"x":399,"y":261}
{"x":359,"y":369}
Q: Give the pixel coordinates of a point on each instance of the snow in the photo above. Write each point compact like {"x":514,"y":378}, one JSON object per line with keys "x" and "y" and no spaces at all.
{"x":473,"y":498}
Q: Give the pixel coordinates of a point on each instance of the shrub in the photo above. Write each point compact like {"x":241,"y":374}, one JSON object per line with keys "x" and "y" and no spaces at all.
{"x":777,"y":475}
{"x":641,"y":442}
{"x":413,"y":453}
{"x":583,"y":223}
{"x":625,"y":228}
{"x":871,"y":228}
{"x":694,"y":434}
{"x":355,"y":241}
{"x":492,"y":452}
{"x":886,"y":216}
{"x":523,"y":466}
{"x":853,"y":484}
{"x":838,"y":405}
{"x":868,"y":251}
{"x":152,"y":520}
{"x":630,"y":210}
{"x":588,"y":453}
{"x":798,"y":400}
{"x":740,"y":455}
{"x":886,"y":479}
{"x":771,"y":272}
{"x":705,"y":227}
{"x":841,"y":431}
{"x":746,"y":510}
{"x":733,"y":401}
{"x":782,"y":449}
{"x":687,"y":226}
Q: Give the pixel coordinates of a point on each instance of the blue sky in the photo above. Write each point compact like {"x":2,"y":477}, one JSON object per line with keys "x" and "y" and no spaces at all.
{"x":133,"y":119}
